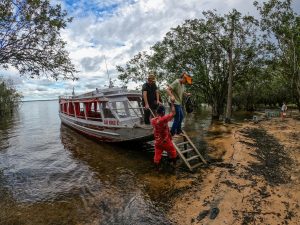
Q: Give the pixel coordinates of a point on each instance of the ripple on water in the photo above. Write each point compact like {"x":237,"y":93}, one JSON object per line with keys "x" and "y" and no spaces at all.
{"x":50,"y":174}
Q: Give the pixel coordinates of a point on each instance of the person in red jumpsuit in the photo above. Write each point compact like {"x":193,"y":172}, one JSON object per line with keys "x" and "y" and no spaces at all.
{"x":162,"y":135}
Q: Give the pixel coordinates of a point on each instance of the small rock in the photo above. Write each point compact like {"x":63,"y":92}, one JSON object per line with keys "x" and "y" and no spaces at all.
{"x":202,"y":215}
{"x":214,"y":213}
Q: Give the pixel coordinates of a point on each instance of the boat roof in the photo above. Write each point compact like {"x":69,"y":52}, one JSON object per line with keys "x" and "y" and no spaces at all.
{"x":104,"y":94}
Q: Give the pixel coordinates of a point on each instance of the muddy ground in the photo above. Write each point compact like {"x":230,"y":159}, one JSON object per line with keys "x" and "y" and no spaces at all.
{"x":253,"y":177}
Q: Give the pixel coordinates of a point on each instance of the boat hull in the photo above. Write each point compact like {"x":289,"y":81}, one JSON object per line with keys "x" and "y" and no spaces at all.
{"x":108,"y":134}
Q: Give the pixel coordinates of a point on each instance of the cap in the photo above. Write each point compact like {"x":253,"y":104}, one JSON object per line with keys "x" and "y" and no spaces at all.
{"x":151,"y":76}
{"x":188,"y":78}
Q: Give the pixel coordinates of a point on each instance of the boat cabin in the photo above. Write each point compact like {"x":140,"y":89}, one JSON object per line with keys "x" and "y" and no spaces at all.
{"x":111,"y":106}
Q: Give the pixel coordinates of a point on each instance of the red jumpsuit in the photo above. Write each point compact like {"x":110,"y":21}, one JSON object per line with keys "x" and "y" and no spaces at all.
{"x":162,"y":136}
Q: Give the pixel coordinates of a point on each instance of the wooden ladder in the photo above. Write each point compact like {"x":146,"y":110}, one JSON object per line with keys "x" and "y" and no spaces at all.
{"x":188,"y":152}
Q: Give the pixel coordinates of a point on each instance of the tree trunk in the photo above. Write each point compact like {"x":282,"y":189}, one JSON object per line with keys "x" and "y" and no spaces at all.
{"x":298,"y":96}
{"x":230,"y":76}
{"x":217,"y":109}
{"x":215,"y":113}
{"x":297,"y":99}
{"x":229,"y":94}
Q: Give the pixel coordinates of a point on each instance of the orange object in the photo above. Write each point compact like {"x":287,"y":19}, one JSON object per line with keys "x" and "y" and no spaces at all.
{"x":188,"y":78}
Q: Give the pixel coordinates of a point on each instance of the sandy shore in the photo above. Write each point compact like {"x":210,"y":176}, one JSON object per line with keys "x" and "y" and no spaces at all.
{"x":253,"y":177}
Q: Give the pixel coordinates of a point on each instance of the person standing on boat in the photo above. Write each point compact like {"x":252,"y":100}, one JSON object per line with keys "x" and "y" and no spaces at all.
{"x":150,"y":97}
{"x":162,"y":136}
{"x":176,"y":90}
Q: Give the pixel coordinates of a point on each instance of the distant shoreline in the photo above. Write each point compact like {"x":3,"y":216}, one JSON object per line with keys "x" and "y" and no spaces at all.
{"x":56,"y":99}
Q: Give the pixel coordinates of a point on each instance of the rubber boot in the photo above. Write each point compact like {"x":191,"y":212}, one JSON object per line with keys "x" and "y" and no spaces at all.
{"x":174,"y":163}
{"x":157,"y":167}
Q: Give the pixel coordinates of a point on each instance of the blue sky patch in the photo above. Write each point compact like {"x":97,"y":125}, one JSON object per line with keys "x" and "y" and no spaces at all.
{"x":98,"y":8}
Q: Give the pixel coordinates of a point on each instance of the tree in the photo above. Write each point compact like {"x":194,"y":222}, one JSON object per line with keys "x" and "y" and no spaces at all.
{"x":191,"y":47}
{"x":282,"y":27}
{"x":30,"y":39}
{"x":136,"y":69}
{"x":212,"y":49}
{"x":9,"y":97}
{"x":235,"y":37}
{"x":261,"y":86}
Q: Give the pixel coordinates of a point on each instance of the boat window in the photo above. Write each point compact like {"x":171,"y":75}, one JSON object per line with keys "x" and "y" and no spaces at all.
{"x":71,"y":109}
{"x":123,"y":109}
{"x":136,"y":108}
{"x":106,"y":111}
{"x":119,"y":108}
{"x":93,"y":111}
{"x":81,"y":114}
{"x":77,"y":109}
{"x":65,"y":108}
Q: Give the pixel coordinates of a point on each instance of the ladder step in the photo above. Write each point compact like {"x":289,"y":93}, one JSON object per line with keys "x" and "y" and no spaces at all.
{"x":182,"y":143}
{"x":193,"y":157}
{"x":187,"y":141}
{"x":187,"y":150}
{"x":196,"y":165}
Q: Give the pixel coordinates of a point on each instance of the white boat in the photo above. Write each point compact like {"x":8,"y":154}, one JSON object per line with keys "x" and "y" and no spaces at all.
{"x":111,"y":115}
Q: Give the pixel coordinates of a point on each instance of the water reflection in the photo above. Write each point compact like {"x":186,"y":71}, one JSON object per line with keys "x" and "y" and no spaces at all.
{"x":122,"y":198}
{"x":106,"y":158}
{"x":6,"y":128}
{"x":50,"y":174}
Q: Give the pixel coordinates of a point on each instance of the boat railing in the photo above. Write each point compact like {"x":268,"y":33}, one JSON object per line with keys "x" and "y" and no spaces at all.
{"x":90,"y":118}
{"x":132,"y":114}
{"x":68,"y":97}
{"x":142,"y":109}
{"x":120,"y":112}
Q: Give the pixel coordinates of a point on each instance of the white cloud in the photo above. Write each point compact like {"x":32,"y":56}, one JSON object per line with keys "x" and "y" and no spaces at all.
{"x":117,"y":30}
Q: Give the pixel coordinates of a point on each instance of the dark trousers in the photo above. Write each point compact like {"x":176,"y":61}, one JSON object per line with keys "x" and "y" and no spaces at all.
{"x":147,"y":114}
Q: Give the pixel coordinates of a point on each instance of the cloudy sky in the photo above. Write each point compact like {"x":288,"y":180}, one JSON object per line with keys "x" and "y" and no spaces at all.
{"x":116,"y":30}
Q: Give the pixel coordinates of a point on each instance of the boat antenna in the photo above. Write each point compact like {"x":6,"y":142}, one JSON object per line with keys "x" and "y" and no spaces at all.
{"x":73,"y":92}
{"x":109,"y":79}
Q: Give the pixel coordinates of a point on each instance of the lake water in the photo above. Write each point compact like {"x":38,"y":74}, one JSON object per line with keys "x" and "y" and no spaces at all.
{"x":49,"y":174}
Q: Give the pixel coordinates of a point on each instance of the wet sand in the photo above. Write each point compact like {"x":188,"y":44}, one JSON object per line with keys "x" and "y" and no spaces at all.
{"x":253,"y":177}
